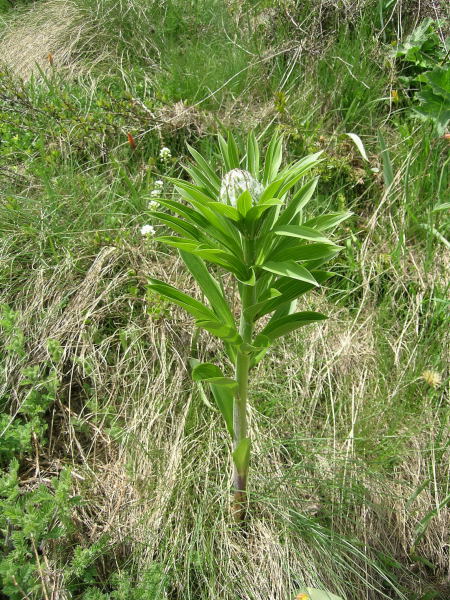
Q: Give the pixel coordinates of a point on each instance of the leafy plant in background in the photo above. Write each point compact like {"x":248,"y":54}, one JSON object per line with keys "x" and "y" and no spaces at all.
{"x":251,"y":224}
{"x":425,"y":72}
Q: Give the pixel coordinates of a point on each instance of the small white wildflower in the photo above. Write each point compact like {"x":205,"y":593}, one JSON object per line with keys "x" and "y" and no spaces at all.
{"x":148,"y":230}
{"x":155,"y":193}
{"x":159,"y":183}
{"x":153,"y":204}
{"x":165,"y":153}
{"x":235,"y":183}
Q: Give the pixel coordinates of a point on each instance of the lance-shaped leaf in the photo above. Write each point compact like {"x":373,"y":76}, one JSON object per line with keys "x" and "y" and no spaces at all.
{"x":213,"y":375}
{"x":244,"y":203}
{"x":201,"y":179}
{"x":200,"y":201}
{"x":303,"y":165}
{"x":226,"y":260}
{"x":273,"y":160}
{"x":241,"y":455}
{"x":180,"y":226}
{"x":225,"y":210}
{"x":297,"y":171}
{"x":187,"y":244}
{"x":269,"y":241}
{"x":205,"y":167}
{"x":328,"y":221}
{"x":252,"y":159}
{"x":298,"y":201}
{"x":257,"y":211}
{"x":303,"y":252}
{"x":209,"y":287}
{"x":278,"y":327}
{"x":302,"y":232}
{"x":196,"y":218}
{"x":233,"y":151}
{"x":283,"y":291}
{"x":224,"y":332}
{"x":224,"y":151}
{"x":224,"y":397}
{"x":192,"y":306}
{"x":223,"y":394}
{"x":290,"y":269}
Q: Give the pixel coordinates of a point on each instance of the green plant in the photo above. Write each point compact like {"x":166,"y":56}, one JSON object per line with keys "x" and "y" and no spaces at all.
{"x":247,"y":224}
{"x":425,"y":72}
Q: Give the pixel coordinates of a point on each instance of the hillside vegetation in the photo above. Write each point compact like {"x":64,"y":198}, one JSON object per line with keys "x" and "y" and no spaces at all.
{"x":115,"y":480}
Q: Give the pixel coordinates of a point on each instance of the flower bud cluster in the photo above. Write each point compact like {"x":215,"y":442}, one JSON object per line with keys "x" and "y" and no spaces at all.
{"x":235,"y":183}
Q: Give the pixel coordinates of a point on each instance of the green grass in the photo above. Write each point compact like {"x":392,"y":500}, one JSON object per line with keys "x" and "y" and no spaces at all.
{"x":350,"y":473}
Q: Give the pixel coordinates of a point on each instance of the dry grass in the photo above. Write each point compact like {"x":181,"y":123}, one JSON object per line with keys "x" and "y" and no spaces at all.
{"x":159,"y":489}
{"x":50,"y":35}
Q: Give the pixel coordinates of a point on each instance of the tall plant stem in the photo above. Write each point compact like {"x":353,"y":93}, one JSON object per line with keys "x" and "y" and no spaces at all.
{"x":240,"y":475}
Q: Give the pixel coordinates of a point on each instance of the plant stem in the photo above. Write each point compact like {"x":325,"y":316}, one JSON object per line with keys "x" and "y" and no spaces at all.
{"x":240,"y":476}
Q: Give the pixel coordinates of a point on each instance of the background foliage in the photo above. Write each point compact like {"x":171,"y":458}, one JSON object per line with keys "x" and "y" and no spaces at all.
{"x":112,"y":483}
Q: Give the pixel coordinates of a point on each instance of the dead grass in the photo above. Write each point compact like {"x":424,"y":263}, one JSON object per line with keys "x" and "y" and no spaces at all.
{"x":151,"y":458}
{"x":49,"y":35}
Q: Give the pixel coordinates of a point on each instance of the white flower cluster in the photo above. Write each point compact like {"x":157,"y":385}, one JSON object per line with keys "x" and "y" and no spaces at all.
{"x":156,"y":192}
{"x":235,"y":183}
{"x":165,"y":154}
{"x":147,"y":230}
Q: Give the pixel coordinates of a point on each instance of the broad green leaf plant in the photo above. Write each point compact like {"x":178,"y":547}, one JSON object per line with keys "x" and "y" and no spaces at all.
{"x":249,"y":223}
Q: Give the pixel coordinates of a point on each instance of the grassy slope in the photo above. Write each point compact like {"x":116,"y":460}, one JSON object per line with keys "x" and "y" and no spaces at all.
{"x":351,"y":445}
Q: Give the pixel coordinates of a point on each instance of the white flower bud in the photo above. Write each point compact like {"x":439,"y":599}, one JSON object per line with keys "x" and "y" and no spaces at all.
{"x":235,"y":183}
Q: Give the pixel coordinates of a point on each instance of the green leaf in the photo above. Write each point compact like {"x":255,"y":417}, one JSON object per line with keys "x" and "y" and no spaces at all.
{"x":298,"y":170}
{"x":226,"y":260}
{"x":205,"y":167}
{"x":302,"y":232}
{"x":291,"y":269}
{"x":305,"y":252}
{"x":182,"y":227}
{"x":224,"y":332}
{"x":204,"y":371}
{"x":328,"y":221}
{"x":359,"y":144}
{"x":278,"y":327}
{"x":244,"y":203}
{"x":315,"y":594}
{"x":284,"y":290}
{"x":241,"y":455}
{"x":223,"y":394}
{"x":224,"y":397}
{"x":180,"y":243}
{"x":201,"y":179}
{"x":256,"y":211}
{"x":224,"y":151}
{"x":225,"y":210}
{"x":270,"y":191}
{"x":252,"y":162}
{"x":209,"y":287}
{"x":233,"y":152}
{"x":273,"y":158}
{"x":192,"y":306}
{"x":298,"y":201}
{"x":213,"y":375}
{"x":201,"y":201}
